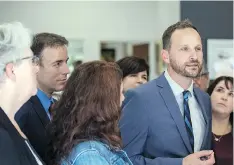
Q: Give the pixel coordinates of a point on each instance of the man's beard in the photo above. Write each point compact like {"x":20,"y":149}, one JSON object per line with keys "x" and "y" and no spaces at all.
{"x":183,"y":69}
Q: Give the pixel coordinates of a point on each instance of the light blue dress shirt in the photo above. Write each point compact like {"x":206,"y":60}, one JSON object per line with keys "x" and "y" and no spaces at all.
{"x":45,"y":101}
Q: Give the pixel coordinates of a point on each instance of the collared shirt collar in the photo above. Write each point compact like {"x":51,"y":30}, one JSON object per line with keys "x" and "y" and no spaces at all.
{"x":176,"y":88}
{"x":45,"y":100}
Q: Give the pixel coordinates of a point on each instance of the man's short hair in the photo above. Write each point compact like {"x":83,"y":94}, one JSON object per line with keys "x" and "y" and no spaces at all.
{"x":44,"y":40}
{"x":166,"y":38}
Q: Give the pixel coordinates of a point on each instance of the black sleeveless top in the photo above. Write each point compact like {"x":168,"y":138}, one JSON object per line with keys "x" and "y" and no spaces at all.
{"x":223,"y":149}
{"x":13,"y":149}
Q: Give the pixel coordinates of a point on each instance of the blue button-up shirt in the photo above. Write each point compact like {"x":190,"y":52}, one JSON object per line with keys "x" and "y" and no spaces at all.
{"x":45,"y":101}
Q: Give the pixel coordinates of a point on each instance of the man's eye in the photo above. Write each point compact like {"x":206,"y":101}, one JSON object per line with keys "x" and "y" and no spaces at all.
{"x":185,"y":49}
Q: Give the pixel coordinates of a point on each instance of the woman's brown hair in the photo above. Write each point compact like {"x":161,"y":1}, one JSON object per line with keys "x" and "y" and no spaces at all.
{"x":89,"y":109}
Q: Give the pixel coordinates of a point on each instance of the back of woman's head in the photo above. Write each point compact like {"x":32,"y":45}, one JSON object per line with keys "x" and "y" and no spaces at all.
{"x":133,"y":65}
{"x":89,"y":108}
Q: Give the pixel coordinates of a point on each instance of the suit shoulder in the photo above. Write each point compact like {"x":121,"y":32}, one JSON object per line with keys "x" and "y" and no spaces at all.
{"x":24,"y":110}
{"x":146,"y":89}
{"x":27,"y":105}
{"x":202,"y":93}
{"x":141,"y":94}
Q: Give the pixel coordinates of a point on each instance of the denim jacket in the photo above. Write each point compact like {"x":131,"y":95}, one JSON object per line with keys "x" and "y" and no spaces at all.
{"x":96,"y":153}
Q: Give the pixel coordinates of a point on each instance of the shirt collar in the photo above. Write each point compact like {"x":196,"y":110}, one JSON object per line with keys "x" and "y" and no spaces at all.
{"x":45,"y":100}
{"x":176,"y":88}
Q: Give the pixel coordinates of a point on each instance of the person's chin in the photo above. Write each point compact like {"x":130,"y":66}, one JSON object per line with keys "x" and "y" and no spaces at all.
{"x":220,"y":110}
{"x":62,"y":83}
{"x":136,"y":85}
{"x":191,"y":74}
{"x":60,"y":87}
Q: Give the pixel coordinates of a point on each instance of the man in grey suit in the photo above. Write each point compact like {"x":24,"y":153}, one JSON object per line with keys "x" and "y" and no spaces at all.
{"x":168,"y":120}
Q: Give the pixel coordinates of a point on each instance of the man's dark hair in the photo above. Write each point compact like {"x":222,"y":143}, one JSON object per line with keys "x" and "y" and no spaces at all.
{"x":44,"y":40}
{"x":166,"y":38}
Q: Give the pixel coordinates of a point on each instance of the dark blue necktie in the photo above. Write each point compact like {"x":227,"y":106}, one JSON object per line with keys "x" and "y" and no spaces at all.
{"x":187,"y":119}
{"x":50,"y":110}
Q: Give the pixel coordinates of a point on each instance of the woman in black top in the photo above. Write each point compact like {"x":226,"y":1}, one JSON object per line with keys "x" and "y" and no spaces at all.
{"x":221,"y":92}
{"x":17,"y":85}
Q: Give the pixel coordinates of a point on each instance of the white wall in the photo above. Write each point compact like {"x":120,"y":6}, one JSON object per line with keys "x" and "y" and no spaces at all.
{"x":120,"y":48}
{"x":95,"y":21}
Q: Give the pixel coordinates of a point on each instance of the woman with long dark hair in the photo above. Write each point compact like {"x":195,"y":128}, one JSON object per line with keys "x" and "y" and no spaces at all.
{"x":221,"y":92}
{"x":85,"y":125}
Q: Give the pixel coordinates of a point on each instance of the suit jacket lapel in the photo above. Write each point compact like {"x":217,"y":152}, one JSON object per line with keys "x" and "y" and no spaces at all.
{"x":204,"y":113}
{"x":172,"y":106}
{"x":200,"y":102}
{"x":40,"y":111}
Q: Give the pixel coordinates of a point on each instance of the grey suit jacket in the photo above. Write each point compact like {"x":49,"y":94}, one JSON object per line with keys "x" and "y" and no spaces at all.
{"x":152,"y":127}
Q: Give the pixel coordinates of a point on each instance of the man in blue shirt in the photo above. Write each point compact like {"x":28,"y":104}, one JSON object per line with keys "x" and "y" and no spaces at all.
{"x":34,"y":115}
{"x":45,"y":101}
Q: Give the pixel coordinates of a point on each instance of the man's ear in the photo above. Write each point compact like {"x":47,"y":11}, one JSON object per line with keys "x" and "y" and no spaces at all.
{"x":9,"y":71}
{"x":165,"y":56}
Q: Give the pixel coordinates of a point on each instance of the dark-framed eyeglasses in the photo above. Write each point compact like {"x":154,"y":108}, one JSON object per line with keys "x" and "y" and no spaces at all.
{"x":35,"y":59}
